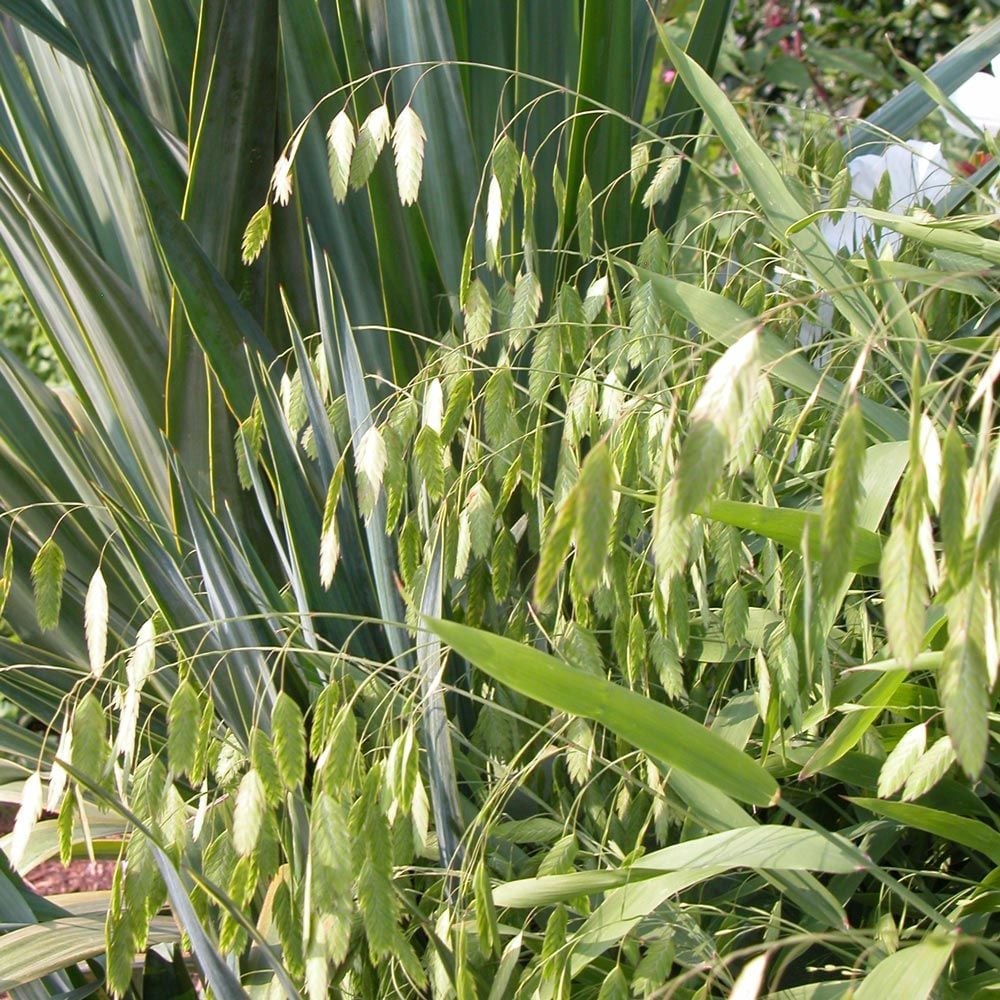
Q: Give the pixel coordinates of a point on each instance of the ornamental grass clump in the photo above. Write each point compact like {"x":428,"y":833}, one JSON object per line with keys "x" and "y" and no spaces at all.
{"x":446,"y":572}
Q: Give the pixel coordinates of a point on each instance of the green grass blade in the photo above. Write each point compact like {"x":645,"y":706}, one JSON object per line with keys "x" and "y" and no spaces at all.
{"x":36,"y":17}
{"x":16,"y":741}
{"x":217,"y":318}
{"x":884,"y":466}
{"x":788,"y":526}
{"x":971,"y":833}
{"x":232,"y":149}
{"x":297,"y":503}
{"x":855,"y":724}
{"x":18,"y":903}
{"x":599,"y":147}
{"x":178,"y":28}
{"x":810,"y":991}
{"x":909,"y":972}
{"x":128,"y":33}
{"x":213,"y":966}
{"x":104,"y":336}
{"x":243,"y":684}
{"x":774,"y":848}
{"x":486,"y":33}
{"x":622,"y":909}
{"x":682,"y":116}
{"x":537,"y":25}
{"x":347,"y":232}
{"x":549,"y":889}
{"x":644,"y":43}
{"x":327,"y":452}
{"x":138,"y":128}
{"x":716,"y":812}
{"x":660,"y":731}
{"x":45,"y":460}
{"x":48,"y":459}
{"x":32,"y":952}
{"x":78,"y":155}
{"x":29,"y":138}
{"x":944,"y":234}
{"x":344,"y":364}
{"x":42,"y":680}
{"x":421,"y":32}
{"x":352,"y":589}
{"x":440,"y":759}
{"x":233,"y":135}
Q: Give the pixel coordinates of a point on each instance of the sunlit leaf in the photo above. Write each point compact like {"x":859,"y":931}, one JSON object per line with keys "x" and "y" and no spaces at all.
{"x":660,"y":731}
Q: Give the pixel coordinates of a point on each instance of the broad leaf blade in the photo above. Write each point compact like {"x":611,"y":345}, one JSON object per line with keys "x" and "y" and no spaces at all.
{"x":971,"y":833}
{"x":213,"y":966}
{"x":909,"y":972}
{"x":440,"y":759}
{"x":790,"y":527}
{"x":682,"y":115}
{"x":418,"y":33}
{"x":660,"y":731}
{"x":232,"y":148}
{"x":35,"y":951}
{"x":34,"y":15}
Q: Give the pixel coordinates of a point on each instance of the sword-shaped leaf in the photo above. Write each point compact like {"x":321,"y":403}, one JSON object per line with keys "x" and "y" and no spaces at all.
{"x":660,"y":731}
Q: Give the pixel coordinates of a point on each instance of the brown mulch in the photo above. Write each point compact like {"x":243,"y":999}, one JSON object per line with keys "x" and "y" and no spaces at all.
{"x":82,"y":875}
